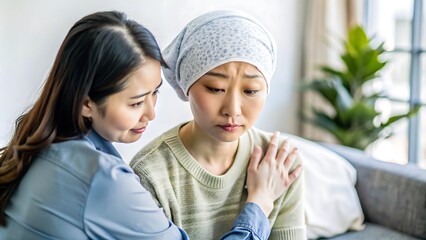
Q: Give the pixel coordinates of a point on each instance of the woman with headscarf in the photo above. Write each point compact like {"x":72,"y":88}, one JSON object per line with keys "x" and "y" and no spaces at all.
{"x":222,"y":63}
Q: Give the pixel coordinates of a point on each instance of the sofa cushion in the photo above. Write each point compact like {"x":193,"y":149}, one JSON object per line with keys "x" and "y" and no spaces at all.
{"x":391,"y":195}
{"x":331,"y":202}
{"x":373,"y":232}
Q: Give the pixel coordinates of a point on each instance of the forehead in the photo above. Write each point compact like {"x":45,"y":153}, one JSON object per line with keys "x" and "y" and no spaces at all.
{"x":236,"y":72}
{"x":148,"y":75}
{"x":146,"y":78}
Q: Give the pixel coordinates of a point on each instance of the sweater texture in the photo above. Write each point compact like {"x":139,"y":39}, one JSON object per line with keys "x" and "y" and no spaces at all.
{"x":204,"y":204}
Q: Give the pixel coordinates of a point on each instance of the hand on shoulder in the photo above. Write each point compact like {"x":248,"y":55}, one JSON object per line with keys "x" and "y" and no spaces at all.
{"x":269,"y":178}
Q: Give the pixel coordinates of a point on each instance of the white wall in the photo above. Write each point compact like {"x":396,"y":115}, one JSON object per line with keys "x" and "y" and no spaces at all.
{"x":32,"y":30}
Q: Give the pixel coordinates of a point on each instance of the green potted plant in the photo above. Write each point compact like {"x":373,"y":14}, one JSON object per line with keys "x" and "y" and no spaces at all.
{"x":353,"y":119}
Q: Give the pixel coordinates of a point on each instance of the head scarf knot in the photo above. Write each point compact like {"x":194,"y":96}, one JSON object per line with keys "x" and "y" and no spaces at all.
{"x":213,"y":39}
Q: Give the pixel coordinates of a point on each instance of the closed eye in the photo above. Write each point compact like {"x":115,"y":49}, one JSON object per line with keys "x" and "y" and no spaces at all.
{"x":251,"y":92}
{"x":136,"y":105}
{"x":215,"y":90}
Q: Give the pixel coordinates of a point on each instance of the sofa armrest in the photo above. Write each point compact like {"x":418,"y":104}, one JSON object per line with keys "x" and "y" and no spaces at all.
{"x":391,"y":195}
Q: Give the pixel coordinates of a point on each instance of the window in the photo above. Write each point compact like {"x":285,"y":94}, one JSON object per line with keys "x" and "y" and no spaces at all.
{"x":400,"y":24}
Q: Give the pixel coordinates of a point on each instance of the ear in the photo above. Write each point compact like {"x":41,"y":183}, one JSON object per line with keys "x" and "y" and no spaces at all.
{"x":88,"y":108}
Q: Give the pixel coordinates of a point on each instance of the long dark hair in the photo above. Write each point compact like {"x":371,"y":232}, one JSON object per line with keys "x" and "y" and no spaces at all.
{"x":97,"y":54}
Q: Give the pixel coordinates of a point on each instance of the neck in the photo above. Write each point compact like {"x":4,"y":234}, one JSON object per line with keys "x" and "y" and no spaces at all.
{"x":215,"y":156}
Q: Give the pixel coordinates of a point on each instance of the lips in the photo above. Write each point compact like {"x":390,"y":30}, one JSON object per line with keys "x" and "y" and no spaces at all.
{"x":139,"y":130}
{"x":230,"y":127}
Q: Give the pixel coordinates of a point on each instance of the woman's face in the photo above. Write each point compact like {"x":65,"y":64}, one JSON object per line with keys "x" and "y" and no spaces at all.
{"x":227,"y":100}
{"x":128,"y":112}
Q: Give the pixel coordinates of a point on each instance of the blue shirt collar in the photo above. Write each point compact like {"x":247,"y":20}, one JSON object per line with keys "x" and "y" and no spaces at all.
{"x":102,"y":144}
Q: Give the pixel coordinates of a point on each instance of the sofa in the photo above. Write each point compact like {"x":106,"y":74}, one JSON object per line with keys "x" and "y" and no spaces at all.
{"x":392,"y":197}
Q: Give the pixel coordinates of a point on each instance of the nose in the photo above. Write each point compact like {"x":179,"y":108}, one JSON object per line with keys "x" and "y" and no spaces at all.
{"x":149,"y":108}
{"x":232,"y":105}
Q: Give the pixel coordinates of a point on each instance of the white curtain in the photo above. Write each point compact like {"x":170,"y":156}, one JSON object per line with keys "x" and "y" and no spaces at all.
{"x":326,"y":26}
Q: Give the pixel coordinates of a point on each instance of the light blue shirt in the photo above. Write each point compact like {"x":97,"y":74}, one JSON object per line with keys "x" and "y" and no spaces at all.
{"x":82,"y":189}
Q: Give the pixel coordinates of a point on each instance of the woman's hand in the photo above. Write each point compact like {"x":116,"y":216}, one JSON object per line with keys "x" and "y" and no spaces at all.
{"x":268,"y":179}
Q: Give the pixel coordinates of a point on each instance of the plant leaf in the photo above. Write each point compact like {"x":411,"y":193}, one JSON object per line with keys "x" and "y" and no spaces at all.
{"x":353,"y":120}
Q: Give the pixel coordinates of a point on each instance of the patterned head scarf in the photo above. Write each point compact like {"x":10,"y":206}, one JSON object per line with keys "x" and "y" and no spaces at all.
{"x":213,"y":39}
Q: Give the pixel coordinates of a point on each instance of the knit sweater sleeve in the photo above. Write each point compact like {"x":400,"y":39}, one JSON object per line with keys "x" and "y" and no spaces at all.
{"x":289,"y":222}
{"x":147,"y":184}
{"x":147,"y":177}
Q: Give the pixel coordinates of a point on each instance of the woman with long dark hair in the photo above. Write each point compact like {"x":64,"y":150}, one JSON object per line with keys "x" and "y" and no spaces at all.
{"x":60,"y":176}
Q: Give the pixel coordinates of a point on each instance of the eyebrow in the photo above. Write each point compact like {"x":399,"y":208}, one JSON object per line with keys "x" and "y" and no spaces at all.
{"x":216,"y":74}
{"x":144,"y":94}
{"x":221,"y":75}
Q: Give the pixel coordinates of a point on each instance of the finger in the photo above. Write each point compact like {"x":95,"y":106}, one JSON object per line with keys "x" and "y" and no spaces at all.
{"x":255,"y":158}
{"x":294,"y":174}
{"x":271,"y":153}
{"x":283,"y":152}
{"x":290,"y":158}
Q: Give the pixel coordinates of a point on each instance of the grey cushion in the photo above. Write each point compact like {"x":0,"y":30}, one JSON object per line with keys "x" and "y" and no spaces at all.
{"x":374,"y":232}
{"x":391,"y":195}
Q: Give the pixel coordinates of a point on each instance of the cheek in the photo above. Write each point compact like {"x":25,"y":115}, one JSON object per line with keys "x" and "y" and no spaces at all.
{"x":122,"y":119}
{"x":201,"y":105}
{"x":253,"y":107}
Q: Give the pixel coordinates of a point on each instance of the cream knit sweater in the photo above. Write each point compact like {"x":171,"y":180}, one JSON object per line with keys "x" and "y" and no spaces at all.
{"x":203,"y":204}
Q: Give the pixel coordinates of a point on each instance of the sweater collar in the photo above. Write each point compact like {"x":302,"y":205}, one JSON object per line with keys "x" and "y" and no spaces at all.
{"x":236,"y":171}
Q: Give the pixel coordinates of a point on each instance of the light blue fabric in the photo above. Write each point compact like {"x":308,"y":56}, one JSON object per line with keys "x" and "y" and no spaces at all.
{"x":74,"y":191}
{"x":213,"y":39}
{"x":250,"y":224}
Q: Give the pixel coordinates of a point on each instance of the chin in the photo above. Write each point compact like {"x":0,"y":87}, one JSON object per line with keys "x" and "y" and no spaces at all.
{"x":129,"y":140}
{"x":229,"y":137}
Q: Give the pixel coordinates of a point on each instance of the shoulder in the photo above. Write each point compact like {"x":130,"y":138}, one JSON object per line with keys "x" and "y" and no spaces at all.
{"x":262,"y":138}
{"x":79,"y":158}
{"x":158,"y":153}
